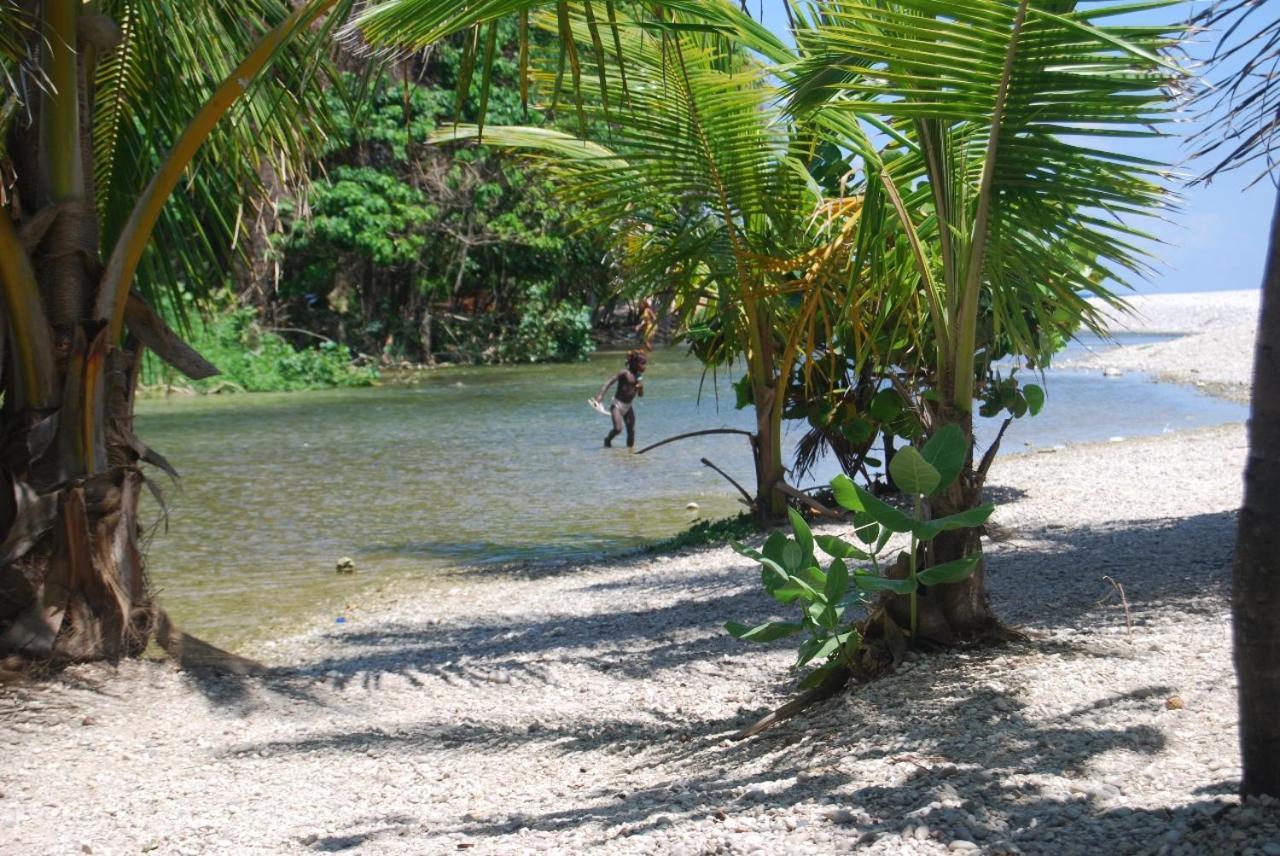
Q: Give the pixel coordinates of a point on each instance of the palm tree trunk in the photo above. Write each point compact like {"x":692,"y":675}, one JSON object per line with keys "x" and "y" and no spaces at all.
{"x":1255,"y":597}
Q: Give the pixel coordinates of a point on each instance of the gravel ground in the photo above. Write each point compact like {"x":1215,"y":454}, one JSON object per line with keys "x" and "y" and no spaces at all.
{"x":577,"y":708}
{"x":587,"y":708}
{"x":1215,"y":349}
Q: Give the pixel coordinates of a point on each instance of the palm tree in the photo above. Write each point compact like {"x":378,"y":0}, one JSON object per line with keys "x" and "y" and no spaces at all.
{"x":115,"y":147}
{"x":985,"y":123}
{"x":999,"y":111}
{"x":705,"y":190}
{"x":1246,"y":130}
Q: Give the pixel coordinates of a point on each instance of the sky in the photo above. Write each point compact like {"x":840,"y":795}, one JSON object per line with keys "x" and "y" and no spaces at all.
{"x":1217,"y":240}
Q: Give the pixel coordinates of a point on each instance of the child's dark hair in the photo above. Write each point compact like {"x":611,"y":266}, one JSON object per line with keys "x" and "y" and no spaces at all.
{"x":636,"y":359}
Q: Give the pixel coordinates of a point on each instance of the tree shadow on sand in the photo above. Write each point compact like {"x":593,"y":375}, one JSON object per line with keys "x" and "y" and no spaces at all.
{"x":981,"y":779}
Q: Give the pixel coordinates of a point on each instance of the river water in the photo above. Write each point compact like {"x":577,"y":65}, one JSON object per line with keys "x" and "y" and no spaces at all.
{"x":482,"y":466}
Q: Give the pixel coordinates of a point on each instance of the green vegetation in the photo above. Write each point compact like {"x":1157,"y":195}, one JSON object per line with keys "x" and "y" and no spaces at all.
{"x":831,"y":599}
{"x":706,"y":533}
{"x":252,"y":359}
{"x":407,"y":251}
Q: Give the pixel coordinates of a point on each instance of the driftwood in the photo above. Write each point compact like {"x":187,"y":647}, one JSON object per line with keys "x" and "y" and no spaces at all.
{"x":695,"y":434}
{"x":831,"y":685}
{"x":802,"y":497}
{"x":746,"y":497}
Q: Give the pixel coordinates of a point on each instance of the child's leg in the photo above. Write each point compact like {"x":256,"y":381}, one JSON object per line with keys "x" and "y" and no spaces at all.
{"x":617,"y":426}
{"x":630,"y":420}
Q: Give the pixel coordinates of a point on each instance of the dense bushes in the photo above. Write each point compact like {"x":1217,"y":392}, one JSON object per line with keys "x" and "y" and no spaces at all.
{"x":252,"y":359}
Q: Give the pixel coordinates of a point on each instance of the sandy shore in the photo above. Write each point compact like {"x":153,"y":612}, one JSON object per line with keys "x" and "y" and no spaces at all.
{"x":1214,"y":351}
{"x":579,"y":709}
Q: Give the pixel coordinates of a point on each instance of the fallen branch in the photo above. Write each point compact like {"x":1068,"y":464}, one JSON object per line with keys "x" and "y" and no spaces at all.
{"x":800,"y":496}
{"x":696,"y":434}
{"x":831,"y":685}
{"x":746,"y":497}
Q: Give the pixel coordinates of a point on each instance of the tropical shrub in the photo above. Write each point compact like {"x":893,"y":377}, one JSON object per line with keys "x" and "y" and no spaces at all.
{"x":253,"y":359}
{"x":828,"y":596}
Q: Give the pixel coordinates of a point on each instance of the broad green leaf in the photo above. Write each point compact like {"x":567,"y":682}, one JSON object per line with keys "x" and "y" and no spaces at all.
{"x":792,"y":556}
{"x":764,"y":632}
{"x":804,"y":537}
{"x":949,"y":572}
{"x":867,"y":530}
{"x":1035,"y":397}
{"x":873,"y":583}
{"x":886,"y":405}
{"x":946,"y":450}
{"x":818,"y":675}
{"x":743,"y":550}
{"x":883,"y":513}
{"x":912,"y":473}
{"x":837,"y":581}
{"x":813,"y":577}
{"x":773,"y":547}
{"x":839,"y":548}
{"x":776,"y":582}
{"x":927,"y":529}
{"x":845,"y":492}
{"x":858,"y":431}
{"x":829,"y":647}
{"x":808,"y":648}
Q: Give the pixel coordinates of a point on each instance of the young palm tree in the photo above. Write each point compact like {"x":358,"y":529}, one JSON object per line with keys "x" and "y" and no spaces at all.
{"x":993,"y":117}
{"x":1000,"y":111}
{"x":1246,"y":130}
{"x":706,"y":191}
{"x":121,"y":175}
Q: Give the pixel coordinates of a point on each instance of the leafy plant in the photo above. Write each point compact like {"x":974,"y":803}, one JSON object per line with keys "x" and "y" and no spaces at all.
{"x":791,"y":571}
{"x":792,"y":574}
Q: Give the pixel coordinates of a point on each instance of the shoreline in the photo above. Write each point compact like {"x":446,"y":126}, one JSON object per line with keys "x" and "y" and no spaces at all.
{"x":570,"y":706}
{"x":1213,"y":352}
{"x":588,"y":708}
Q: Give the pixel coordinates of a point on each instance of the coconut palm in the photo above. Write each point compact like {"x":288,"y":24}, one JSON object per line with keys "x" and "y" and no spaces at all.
{"x":1001,"y":111}
{"x":705,"y":189}
{"x":1246,"y":110}
{"x":130,"y":132}
{"x":985,"y":123}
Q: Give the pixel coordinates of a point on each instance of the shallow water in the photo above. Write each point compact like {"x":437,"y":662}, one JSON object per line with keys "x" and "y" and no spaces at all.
{"x":472,"y":466}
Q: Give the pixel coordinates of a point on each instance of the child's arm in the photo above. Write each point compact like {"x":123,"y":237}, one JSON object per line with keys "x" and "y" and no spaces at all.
{"x":605,"y":388}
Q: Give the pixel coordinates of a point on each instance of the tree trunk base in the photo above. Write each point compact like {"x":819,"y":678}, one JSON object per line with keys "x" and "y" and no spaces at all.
{"x":884,"y":646}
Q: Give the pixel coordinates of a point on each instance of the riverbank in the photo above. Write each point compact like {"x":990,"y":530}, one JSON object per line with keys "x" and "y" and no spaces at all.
{"x":587,"y":707}
{"x":1213,"y":350}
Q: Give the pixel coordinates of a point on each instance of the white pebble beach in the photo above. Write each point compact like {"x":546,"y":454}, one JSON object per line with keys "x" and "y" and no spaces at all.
{"x":569,"y":709}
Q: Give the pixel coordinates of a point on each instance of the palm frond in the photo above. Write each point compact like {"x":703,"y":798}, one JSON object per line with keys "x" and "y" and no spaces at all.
{"x":170,"y":59}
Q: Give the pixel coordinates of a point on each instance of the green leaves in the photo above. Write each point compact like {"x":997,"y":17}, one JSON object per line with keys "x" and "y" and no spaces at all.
{"x":949,"y":572}
{"x":912,"y":473}
{"x":946,"y":450}
{"x":765,"y":632}
{"x":856,"y":498}
{"x":963,"y":520}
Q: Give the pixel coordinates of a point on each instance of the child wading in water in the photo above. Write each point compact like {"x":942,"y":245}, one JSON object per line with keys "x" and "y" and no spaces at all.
{"x":630,"y":383}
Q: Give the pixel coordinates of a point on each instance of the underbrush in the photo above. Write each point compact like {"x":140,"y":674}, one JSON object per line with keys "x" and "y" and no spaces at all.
{"x":253,"y":359}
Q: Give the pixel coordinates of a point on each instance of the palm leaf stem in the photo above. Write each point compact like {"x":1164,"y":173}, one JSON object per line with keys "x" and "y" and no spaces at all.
{"x":966,"y":321}
{"x":61,"y":167}
{"x":33,"y":355}
{"x":136,"y":233}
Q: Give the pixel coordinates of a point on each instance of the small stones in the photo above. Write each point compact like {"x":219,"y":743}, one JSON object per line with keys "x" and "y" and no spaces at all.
{"x":346,"y":566}
{"x":1174,"y":702}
